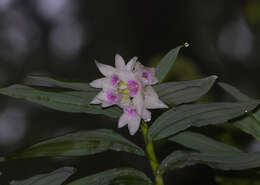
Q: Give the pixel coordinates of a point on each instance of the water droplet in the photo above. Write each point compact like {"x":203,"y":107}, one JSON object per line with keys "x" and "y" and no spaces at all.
{"x":246,"y":110}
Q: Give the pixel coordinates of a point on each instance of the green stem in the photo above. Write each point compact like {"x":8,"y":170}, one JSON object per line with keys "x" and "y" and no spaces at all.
{"x":151,"y":155}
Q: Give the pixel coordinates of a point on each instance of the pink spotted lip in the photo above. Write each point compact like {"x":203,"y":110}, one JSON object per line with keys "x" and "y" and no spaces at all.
{"x":112,"y":97}
{"x":114,"y":80}
{"x":130,"y":111}
{"x":133,"y":87}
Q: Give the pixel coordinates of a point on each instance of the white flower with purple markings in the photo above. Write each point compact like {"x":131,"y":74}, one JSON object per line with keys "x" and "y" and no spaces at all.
{"x":129,"y":87}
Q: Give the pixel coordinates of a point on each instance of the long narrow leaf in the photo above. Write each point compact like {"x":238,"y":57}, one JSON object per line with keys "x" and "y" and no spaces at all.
{"x":65,"y":83}
{"x":118,"y":176}
{"x":251,"y":123}
{"x":56,"y":177}
{"x":166,"y":63}
{"x":234,"y":92}
{"x":67,"y":101}
{"x":185,"y":91}
{"x":223,"y":161}
{"x":78,"y":144}
{"x":185,"y":116}
{"x":202,"y":143}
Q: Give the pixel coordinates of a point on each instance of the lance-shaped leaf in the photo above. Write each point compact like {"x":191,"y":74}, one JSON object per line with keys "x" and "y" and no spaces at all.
{"x":251,"y":123}
{"x":234,"y":92}
{"x":185,"y":116}
{"x":166,"y":63}
{"x":65,"y":83}
{"x":78,"y":144}
{"x":56,"y":177}
{"x":118,"y":176}
{"x":222,"y":161}
{"x":67,"y":101}
{"x":202,"y":143}
{"x":185,"y":91}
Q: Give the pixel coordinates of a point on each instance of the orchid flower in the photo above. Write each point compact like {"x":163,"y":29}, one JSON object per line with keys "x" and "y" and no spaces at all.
{"x":129,"y":87}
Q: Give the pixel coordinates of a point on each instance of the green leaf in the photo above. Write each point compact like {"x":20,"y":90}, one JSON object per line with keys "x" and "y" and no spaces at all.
{"x":234,"y":92}
{"x":56,"y":177}
{"x":202,"y":143}
{"x":166,"y":63}
{"x":185,"y":91}
{"x":185,"y":116}
{"x":67,"y":101}
{"x":222,"y":161}
{"x":251,"y":123}
{"x":79,"y":144}
{"x":65,"y":83}
{"x":118,"y":176}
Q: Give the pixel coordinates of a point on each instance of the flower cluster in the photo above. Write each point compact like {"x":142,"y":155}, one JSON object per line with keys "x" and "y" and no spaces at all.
{"x":130,"y":87}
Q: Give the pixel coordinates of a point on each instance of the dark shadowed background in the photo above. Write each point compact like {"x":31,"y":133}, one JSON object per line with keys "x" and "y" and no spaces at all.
{"x":62,"y":38}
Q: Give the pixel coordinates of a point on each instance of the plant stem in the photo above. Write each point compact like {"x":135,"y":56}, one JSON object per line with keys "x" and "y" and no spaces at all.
{"x":151,"y":155}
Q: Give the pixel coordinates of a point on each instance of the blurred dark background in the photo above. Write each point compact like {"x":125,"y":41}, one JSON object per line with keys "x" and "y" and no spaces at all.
{"x":63,"y":37}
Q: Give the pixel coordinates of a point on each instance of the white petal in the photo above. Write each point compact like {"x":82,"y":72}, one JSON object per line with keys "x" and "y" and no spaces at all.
{"x":101,"y":96}
{"x":101,"y":99}
{"x":134,"y":124}
{"x":146,"y":116}
{"x":125,"y":103}
{"x":98,"y":83}
{"x":138,"y":66}
{"x":139,"y":70}
{"x":119,"y":62}
{"x":152,"y":100}
{"x":106,"y":70}
{"x":154,"y":78}
{"x":138,"y":101}
{"x":126,"y":75}
{"x":106,"y":104}
{"x":95,"y":101}
{"x":123,"y":120}
{"x":131,"y":64}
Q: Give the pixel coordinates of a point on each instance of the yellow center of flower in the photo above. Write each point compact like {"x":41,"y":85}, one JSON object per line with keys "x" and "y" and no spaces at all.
{"x":123,"y":90}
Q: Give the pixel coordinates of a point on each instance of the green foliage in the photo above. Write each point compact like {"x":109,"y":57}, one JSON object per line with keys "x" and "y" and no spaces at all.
{"x":65,"y":83}
{"x":56,"y":177}
{"x":75,"y":97}
{"x":222,"y":161}
{"x":197,"y":115}
{"x":185,"y":91}
{"x":79,"y":144}
{"x":251,"y":123}
{"x":118,"y":176}
{"x":184,"y":69}
{"x":67,"y":101}
{"x":166,"y":63}
{"x":234,"y":92}
{"x":201,"y":143}
{"x":212,"y":153}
